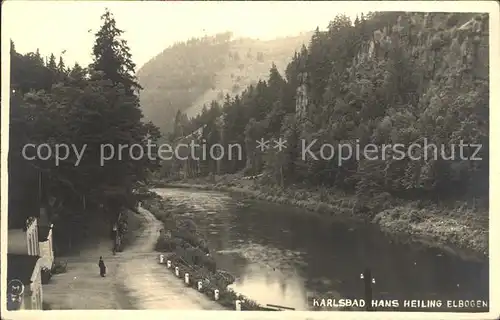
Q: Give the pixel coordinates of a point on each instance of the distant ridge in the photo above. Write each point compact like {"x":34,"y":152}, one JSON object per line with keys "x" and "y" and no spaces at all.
{"x":189,"y":74}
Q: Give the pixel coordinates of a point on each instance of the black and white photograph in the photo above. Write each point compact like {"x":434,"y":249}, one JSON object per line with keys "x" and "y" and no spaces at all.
{"x":285,"y":156}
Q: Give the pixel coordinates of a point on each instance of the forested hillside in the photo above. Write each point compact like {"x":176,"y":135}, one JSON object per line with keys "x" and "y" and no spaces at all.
{"x":187,"y":75}
{"x":82,"y":108}
{"x":386,"y":78}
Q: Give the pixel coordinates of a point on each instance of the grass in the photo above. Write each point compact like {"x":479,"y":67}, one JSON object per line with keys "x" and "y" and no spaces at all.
{"x":458,"y":228}
{"x":131,"y":223}
{"x":187,"y":250}
{"x":461,"y":230}
{"x":212,"y":281}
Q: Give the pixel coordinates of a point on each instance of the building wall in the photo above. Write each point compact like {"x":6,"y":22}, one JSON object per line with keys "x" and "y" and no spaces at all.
{"x":46,"y":255}
{"x":32,"y":237}
{"x":33,"y":296}
{"x":47,"y":252}
{"x":24,"y":242}
{"x":18,"y":241}
{"x":36,"y":288}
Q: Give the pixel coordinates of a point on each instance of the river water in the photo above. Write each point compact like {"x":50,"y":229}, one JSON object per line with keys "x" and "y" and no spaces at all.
{"x":286,"y":256}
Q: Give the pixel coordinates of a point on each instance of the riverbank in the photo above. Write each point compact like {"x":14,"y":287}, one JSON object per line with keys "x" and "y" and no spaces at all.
{"x":459,"y":230}
{"x":186,"y":250}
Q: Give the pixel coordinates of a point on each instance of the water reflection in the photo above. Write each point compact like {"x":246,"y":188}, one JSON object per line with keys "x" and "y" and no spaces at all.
{"x":282,"y":255}
{"x":268,"y":286}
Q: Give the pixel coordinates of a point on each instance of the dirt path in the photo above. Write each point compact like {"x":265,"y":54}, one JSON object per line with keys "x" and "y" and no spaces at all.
{"x":135,"y":279}
{"x":150,"y":284}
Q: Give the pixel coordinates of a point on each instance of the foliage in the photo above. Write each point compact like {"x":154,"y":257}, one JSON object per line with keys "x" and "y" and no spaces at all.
{"x":46,"y":275}
{"x":212,"y":282}
{"x":182,"y":237}
{"x":385,"y":79}
{"x":59,"y":267}
{"x":189,"y":258}
{"x":92,"y":107}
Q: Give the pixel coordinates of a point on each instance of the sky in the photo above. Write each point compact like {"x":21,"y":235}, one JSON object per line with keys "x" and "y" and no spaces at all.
{"x":150,"y":27}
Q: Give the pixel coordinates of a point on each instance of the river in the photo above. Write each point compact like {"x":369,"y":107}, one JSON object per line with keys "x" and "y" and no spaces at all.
{"x":287,"y":256}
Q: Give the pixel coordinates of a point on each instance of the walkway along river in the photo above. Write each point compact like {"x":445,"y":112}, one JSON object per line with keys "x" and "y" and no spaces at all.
{"x":134,"y":279}
{"x":285,"y":256}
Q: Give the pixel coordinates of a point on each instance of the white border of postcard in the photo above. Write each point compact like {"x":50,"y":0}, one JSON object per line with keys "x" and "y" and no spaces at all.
{"x":491,"y":7}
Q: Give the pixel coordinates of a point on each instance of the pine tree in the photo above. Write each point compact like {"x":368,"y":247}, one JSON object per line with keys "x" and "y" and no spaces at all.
{"x":112,"y":55}
{"x":61,"y":67}
{"x":119,"y":119}
{"x":77,"y":73}
{"x":52,"y":65}
{"x":385,"y":78}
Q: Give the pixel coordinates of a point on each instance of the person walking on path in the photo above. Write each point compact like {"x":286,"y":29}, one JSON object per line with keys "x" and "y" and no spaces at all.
{"x":102,"y":267}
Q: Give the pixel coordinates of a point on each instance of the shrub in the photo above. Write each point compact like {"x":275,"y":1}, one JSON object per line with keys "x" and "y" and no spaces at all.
{"x":165,"y":244}
{"x":380,"y":202}
{"x":190,"y":255}
{"x":191,"y":238}
{"x":452,"y":20}
{"x":195,"y":256}
{"x":59,"y":267}
{"x":211,"y":281}
{"x":46,"y":275}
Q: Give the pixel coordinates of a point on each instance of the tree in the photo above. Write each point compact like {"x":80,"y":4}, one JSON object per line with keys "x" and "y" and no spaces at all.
{"x":384,"y":79}
{"x":112,"y":55}
{"x":52,"y":65}
{"x":121,"y":118}
{"x":61,"y":67}
{"x":92,"y":107}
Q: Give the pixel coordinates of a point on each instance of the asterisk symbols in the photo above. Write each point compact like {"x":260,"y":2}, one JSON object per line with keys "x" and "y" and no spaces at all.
{"x":280,"y":144}
{"x":262,"y":144}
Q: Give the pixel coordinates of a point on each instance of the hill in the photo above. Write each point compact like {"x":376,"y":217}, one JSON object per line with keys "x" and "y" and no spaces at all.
{"x":386,"y":119}
{"x":391,"y":78}
{"x":189,"y":74}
